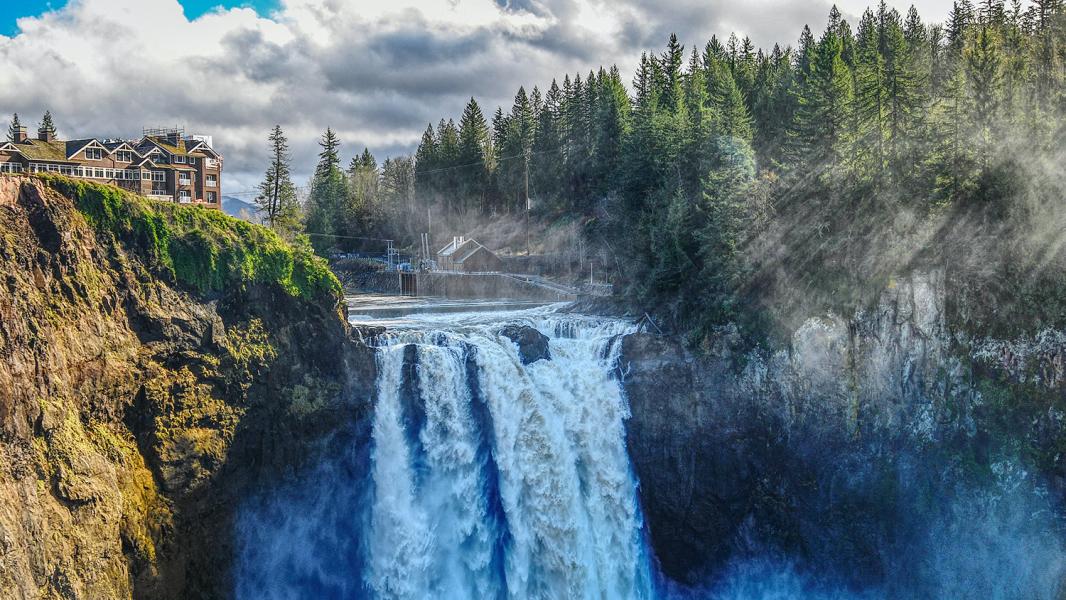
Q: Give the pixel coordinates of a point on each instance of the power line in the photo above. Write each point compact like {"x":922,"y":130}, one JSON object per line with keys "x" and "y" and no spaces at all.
{"x":347,"y":237}
{"x":556,"y":150}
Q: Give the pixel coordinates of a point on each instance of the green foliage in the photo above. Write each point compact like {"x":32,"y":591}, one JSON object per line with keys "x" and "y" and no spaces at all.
{"x":14,"y":128}
{"x":329,"y":193}
{"x":865,"y":155}
{"x":277,"y":200}
{"x":47,"y":124}
{"x":200,"y":248}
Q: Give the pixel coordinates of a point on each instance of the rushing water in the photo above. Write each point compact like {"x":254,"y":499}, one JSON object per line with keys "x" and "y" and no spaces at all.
{"x":486,"y":478}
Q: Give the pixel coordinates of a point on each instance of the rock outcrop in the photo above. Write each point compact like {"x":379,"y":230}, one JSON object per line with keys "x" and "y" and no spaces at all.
{"x":136,"y":410}
{"x":532,"y":344}
{"x":847,"y":450}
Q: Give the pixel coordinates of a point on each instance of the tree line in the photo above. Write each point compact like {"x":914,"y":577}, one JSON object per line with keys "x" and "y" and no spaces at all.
{"x":717,"y":158}
{"x":718,"y":153}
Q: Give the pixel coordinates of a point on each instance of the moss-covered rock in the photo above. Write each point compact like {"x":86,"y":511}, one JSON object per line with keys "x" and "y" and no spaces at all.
{"x":158,"y":363}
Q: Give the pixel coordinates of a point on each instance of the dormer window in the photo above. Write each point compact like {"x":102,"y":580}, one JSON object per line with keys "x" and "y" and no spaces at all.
{"x":124,"y":156}
{"x":179,"y":159}
{"x":93,"y":154}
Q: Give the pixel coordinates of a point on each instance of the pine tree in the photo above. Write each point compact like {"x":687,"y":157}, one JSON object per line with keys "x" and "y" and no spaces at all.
{"x":671,"y":92}
{"x":398,"y":183}
{"x":960,"y":19}
{"x":13,"y":130}
{"x":722,"y":235}
{"x":47,"y":125}
{"x":819,"y":134}
{"x":871,"y":96}
{"x":426,"y":164}
{"x":983,"y":70}
{"x":329,"y":190}
{"x":547,"y":144}
{"x":329,"y":158}
{"x":277,"y":193}
{"x":450,"y":171}
{"x":612,"y":126}
{"x":474,"y":152}
{"x":901,"y":86}
{"x":732,"y":119}
{"x":362,"y":204}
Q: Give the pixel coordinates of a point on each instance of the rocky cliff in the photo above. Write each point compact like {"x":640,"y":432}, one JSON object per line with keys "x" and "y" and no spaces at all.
{"x":158,"y":364}
{"x":883,"y":450}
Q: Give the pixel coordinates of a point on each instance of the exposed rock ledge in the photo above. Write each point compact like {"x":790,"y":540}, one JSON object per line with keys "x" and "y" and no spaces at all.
{"x":818,"y":450}
{"x":135,"y":413}
{"x":532,"y":344}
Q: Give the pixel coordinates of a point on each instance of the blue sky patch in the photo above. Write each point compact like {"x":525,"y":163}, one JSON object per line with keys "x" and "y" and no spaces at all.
{"x":12,"y":10}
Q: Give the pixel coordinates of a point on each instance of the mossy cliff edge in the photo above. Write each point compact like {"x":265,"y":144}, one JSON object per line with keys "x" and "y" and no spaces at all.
{"x":160,"y":362}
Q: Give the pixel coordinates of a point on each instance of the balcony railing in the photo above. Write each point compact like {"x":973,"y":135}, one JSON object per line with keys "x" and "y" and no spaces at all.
{"x":185,"y":181}
{"x":91,"y":172}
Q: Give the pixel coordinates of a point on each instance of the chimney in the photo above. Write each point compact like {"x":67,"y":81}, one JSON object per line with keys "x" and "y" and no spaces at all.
{"x":45,"y":136}
{"x":21,"y":135}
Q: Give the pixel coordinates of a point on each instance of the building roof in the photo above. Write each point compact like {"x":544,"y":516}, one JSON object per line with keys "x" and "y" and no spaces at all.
{"x":469,"y":249}
{"x":75,"y":146}
{"x":113,"y":145}
{"x":174,"y":149}
{"x":460,"y":249}
{"x":200,"y":147}
{"x":453,"y":246}
{"x":64,"y":150}
{"x":34,"y":149}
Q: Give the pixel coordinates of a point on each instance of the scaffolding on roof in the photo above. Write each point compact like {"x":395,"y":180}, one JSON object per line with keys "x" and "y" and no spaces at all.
{"x":164,"y":132}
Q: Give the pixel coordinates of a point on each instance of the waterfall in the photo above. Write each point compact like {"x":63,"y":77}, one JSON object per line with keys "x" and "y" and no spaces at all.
{"x":487,"y":477}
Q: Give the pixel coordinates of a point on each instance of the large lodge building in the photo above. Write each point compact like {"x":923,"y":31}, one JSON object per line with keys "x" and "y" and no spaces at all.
{"x":163,"y":164}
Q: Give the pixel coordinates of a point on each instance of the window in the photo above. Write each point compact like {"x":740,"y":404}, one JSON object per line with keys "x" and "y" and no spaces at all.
{"x":99,"y":173}
{"x":212,"y":197}
{"x":212,"y":181}
{"x":124,"y":156}
{"x":159,"y":176}
{"x":93,"y":154}
{"x":179,"y":159}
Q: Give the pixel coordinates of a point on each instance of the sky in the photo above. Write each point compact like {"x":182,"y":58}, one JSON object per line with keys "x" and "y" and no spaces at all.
{"x":375,"y":71}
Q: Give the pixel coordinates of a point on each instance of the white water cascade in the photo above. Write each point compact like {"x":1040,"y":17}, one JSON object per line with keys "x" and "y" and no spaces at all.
{"x":475,"y":477}
{"x":496,"y":479}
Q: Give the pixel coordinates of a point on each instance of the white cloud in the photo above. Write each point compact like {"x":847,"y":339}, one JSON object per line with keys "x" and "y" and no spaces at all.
{"x":375,"y":71}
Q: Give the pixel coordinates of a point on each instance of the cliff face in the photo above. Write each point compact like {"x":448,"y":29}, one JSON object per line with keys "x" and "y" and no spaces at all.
{"x":866,"y":452}
{"x":138,"y":403}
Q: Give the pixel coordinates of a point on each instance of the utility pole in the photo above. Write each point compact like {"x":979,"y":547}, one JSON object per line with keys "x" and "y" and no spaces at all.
{"x":526,"y":178}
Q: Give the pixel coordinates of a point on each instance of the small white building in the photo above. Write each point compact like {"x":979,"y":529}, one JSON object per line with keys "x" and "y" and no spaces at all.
{"x":467,"y":255}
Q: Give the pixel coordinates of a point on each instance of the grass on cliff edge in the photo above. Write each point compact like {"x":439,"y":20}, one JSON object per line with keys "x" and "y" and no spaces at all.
{"x":202,"y":248}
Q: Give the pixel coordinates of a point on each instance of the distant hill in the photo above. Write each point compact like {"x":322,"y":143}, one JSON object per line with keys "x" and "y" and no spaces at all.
{"x":235,"y":207}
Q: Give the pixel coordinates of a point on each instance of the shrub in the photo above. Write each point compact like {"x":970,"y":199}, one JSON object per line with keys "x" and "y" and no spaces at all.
{"x":200,"y":248}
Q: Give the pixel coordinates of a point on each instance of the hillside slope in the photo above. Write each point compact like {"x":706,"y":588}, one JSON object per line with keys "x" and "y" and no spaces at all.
{"x":159,"y":363}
